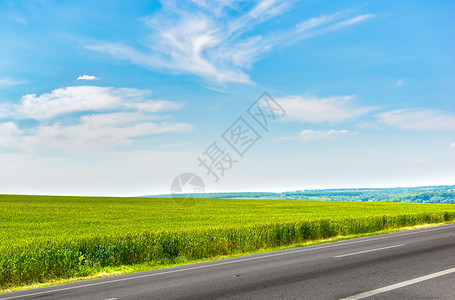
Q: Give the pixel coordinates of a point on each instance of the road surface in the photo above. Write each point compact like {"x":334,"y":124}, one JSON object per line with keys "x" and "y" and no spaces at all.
{"x":413,"y":264}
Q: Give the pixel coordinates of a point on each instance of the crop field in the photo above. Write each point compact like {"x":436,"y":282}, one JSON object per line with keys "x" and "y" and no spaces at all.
{"x":44,"y":237}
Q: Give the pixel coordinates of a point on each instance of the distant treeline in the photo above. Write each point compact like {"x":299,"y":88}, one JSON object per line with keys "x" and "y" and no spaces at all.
{"x":428,"y":194}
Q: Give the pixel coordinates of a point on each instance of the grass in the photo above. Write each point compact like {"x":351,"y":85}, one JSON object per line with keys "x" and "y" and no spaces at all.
{"x":127,"y":269}
{"x":45,"y":238}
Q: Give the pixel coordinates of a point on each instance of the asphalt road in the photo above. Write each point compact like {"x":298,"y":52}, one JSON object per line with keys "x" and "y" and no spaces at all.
{"x":413,"y":264}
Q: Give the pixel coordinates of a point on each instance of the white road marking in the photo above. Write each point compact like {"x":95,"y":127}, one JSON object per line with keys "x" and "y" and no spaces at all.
{"x":399,"y":285}
{"x":342,"y":243}
{"x":366,"y":251}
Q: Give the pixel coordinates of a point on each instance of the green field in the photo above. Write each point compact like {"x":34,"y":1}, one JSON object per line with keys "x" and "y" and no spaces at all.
{"x":44,"y":238}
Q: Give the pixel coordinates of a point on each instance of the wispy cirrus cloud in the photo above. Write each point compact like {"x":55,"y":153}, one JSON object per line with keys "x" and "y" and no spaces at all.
{"x":313,"y":109}
{"x":310,"y":135}
{"x":10,"y":82}
{"x":10,"y":11}
{"x":215,"y":40}
{"x":418,"y":119}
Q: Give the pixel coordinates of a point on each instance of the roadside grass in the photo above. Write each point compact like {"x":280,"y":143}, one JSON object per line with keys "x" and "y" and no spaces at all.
{"x":122,"y":270}
{"x":51,"y":240}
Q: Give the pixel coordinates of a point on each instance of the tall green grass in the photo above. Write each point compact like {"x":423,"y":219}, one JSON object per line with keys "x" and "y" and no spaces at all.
{"x":207,"y":230}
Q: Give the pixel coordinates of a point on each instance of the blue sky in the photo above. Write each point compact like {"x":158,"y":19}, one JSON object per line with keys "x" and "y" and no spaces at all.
{"x":114,"y":98}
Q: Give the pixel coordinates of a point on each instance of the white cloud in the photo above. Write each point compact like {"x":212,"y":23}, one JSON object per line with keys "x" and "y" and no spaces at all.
{"x":452,"y":145}
{"x":418,"y":119}
{"x":399,"y":83}
{"x":88,"y":98}
{"x":92,"y":132}
{"x":7,"y":110}
{"x":87,"y":77}
{"x":315,"y":110}
{"x":90,"y":141}
{"x":310,"y":135}
{"x":70,"y":99}
{"x":99,"y":118}
{"x":418,"y":162}
{"x":208,"y":40}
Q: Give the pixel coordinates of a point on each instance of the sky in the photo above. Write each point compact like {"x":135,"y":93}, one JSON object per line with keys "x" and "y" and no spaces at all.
{"x":120,"y":97}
